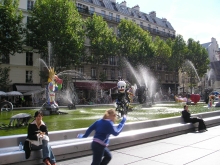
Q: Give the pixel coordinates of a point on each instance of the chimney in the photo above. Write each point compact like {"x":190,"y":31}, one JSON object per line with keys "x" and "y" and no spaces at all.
{"x":124,"y":3}
{"x":136,"y":8}
{"x":164,"y":20}
{"x":114,"y":1}
{"x":153,"y":14}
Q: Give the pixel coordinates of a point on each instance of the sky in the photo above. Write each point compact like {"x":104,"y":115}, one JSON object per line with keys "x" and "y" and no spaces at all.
{"x":197,"y":19}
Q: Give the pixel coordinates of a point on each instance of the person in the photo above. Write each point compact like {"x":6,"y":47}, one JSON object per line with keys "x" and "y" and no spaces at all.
{"x":38,"y":137}
{"x":188,"y":119}
{"x":103,"y":129}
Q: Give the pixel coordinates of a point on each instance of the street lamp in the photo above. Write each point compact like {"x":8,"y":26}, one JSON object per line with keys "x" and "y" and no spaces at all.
{"x":183,"y":80}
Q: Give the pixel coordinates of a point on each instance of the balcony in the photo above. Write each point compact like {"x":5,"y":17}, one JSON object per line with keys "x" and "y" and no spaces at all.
{"x":117,"y":20}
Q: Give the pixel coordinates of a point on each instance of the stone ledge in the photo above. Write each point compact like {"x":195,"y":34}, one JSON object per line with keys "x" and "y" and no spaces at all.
{"x":65,"y":144}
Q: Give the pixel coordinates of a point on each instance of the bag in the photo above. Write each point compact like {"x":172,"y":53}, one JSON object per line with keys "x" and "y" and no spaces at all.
{"x":39,"y":141}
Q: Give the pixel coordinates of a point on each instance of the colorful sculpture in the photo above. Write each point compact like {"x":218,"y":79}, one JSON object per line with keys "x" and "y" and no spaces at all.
{"x":122,"y":98}
{"x":211,"y":100}
{"x":180,"y":99}
{"x":195,"y":98}
{"x":55,"y":84}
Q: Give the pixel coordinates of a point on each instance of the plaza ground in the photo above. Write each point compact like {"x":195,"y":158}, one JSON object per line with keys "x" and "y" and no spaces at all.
{"x":187,"y":149}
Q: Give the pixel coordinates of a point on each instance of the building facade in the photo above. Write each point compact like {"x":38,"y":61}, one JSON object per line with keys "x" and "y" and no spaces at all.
{"x":212,"y":77}
{"x":25,"y":68}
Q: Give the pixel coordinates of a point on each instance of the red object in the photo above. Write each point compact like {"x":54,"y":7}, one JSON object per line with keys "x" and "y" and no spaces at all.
{"x":195,"y":98}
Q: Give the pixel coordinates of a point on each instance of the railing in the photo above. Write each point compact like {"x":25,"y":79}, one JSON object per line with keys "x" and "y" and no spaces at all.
{"x":115,"y":19}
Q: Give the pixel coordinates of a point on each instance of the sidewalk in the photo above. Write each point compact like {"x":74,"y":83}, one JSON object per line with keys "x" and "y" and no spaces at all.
{"x":192,"y":149}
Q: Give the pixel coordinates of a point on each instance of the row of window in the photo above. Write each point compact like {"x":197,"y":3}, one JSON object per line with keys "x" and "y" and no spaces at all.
{"x":110,"y":16}
{"x":168,"y":77}
{"x":104,"y":71}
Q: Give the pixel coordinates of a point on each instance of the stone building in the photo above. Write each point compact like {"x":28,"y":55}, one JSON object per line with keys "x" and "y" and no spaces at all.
{"x":25,"y":66}
{"x":212,"y":77}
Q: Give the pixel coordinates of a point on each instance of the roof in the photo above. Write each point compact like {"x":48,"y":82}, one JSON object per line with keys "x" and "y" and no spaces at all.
{"x":206,"y":45}
{"x":130,"y":12}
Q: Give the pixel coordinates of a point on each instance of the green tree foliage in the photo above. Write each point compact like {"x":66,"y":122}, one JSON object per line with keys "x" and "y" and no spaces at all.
{"x":178,"y":53}
{"x":11,"y":28}
{"x":198,"y":56}
{"x":60,"y":23}
{"x":135,"y":44}
{"x":101,"y":39}
{"x":4,"y":78}
{"x":162,"y":53}
{"x":102,"y":42}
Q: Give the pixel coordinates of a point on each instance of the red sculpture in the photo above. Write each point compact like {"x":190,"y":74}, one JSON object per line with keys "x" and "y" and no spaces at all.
{"x":195,"y":98}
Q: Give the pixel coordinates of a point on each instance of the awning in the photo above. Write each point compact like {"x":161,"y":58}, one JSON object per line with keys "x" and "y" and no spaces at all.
{"x":94,"y":85}
{"x":34,"y":92}
{"x":26,"y":88}
{"x":107,"y":86}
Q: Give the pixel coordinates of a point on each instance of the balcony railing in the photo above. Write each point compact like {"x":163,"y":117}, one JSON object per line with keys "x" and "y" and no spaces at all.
{"x":117,"y":20}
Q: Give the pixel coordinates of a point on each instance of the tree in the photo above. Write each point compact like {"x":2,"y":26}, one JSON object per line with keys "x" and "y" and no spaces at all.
{"x":60,"y":23}
{"x":162,"y":52}
{"x":102,"y":41}
{"x":12,"y":31}
{"x":4,"y":78}
{"x":135,"y":44}
{"x":198,"y":56}
{"x":178,"y":54}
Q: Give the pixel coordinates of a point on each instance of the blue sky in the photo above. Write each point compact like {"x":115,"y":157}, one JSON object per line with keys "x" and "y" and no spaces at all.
{"x":197,"y":19}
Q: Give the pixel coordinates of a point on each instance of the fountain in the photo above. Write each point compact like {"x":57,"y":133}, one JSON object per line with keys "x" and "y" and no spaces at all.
{"x":146,"y":84}
{"x":55,"y":85}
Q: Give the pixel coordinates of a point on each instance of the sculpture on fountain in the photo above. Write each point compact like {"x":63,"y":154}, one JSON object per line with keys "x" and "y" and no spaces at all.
{"x":123,"y":98}
{"x":54,"y":85}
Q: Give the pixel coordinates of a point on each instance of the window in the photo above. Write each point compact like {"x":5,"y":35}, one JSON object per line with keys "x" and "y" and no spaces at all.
{"x":166,"y":77}
{"x":117,"y":18}
{"x":158,"y":76}
{"x":105,"y":71}
{"x":28,"y":20}
{"x":29,"y":41}
{"x":93,"y":73}
{"x":4,"y":59}
{"x":133,"y":20}
{"x":30,"y":5}
{"x":29,"y":77}
{"x":156,"y":29}
{"x":119,"y":73}
{"x":29,"y":58}
{"x":112,"y":74}
{"x":110,"y":16}
{"x":103,"y":13}
{"x":112,"y":61}
{"x":81,"y":70}
{"x":82,"y":8}
{"x":171,"y":77}
{"x":92,"y":10}
{"x":141,"y":23}
{"x":126,"y":18}
{"x":118,"y":32}
{"x":149,"y":27}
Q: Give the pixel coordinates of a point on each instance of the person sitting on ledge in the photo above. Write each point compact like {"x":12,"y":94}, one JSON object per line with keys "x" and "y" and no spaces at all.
{"x":188,"y":119}
{"x":38,"y":139}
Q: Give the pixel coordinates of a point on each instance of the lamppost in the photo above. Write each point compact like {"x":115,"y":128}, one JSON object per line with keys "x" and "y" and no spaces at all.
{"x":183,"y":80}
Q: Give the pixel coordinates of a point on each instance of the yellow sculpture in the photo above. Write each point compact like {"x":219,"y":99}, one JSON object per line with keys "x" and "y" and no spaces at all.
{"x":54,"y":85}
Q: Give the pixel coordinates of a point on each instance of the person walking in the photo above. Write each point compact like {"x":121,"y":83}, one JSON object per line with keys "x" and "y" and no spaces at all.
{"x":38,"y":139}
{"x":103,"y":129}
{"x":186,"y":115}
